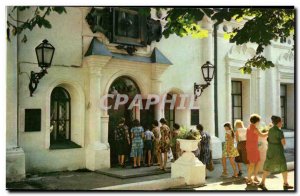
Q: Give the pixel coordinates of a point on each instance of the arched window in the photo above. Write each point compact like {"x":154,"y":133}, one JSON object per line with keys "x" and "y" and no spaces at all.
{"x":60,"y":116}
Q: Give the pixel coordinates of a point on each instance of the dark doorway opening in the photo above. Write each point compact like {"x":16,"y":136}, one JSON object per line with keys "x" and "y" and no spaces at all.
{"x":125,"y":85}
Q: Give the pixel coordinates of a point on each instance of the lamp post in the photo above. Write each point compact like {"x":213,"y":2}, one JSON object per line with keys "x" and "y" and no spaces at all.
{"x":44,"y":54}
{"x":208,"y":71}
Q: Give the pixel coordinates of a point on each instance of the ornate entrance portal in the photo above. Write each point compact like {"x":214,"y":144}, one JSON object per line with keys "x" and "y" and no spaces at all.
{"x":124,"y":85}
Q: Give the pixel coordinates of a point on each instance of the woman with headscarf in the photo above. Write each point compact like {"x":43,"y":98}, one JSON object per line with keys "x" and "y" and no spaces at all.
{"x":275,"y":159}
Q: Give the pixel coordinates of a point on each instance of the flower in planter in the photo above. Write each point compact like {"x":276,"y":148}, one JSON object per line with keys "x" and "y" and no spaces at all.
{"x":192,"y":135}
{"x":182,"y":132}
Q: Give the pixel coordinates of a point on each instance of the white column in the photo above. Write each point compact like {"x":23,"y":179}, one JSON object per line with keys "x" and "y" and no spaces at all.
{"x":290,"y":106}
{"x":207,"y":98}
{"x":15,"y":157}
{"x":97,"y":152}
{"x":228,"y":94}
{"x":278,"y":80}
{"x":156,"y":89}
{"x":104,"y":129}
{"x":270,"y":94}
{"x":259,"y":93}
{"x":156,"y":85}
{"x":94,"y":111}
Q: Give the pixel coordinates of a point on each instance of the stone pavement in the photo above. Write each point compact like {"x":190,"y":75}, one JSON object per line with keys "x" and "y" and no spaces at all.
{"x":76,"y":180}
{"x":273,"y":183}
{"x":86,"y":180}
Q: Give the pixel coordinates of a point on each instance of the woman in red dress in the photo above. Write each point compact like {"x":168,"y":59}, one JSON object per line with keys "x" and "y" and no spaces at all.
{"x":252,"y":147}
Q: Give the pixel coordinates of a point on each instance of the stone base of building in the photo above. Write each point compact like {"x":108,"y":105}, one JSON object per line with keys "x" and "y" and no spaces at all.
{"x":216,"y":147}
{"x":189,"y":167}
{"x":97,"y":156}
{"x":15,"y":164}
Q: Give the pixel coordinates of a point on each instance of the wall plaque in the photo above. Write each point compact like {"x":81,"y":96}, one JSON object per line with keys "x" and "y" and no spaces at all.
{"x":32,"y":120}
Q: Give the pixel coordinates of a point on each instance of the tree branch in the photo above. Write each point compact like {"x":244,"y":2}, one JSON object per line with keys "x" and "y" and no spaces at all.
{"x":15,"y":19}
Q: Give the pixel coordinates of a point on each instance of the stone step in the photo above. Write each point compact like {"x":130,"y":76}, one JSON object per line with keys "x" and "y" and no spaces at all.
{"x":161,"y":184}
{"x":129,"y":172}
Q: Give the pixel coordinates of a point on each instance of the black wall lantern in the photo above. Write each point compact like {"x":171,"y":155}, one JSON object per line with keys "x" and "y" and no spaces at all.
{"x":208,"y":71}
{"x":44,"y":53}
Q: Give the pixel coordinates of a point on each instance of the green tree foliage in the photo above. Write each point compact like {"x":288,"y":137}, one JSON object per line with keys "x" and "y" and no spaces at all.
{"x":39,"y":19}
{"x":261,"y":25}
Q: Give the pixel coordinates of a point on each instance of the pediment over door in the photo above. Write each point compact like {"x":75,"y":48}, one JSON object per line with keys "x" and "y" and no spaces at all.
{"x":239,"y":54}
{"x":286,"y":59}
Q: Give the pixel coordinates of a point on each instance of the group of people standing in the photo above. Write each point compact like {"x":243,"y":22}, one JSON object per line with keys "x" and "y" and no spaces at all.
{"x":155,"y":143}
{"x":247,"y":151}
{"x":152,"y":143}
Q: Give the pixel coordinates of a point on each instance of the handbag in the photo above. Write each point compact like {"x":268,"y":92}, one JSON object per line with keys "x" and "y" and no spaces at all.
{"x":210,"y":165}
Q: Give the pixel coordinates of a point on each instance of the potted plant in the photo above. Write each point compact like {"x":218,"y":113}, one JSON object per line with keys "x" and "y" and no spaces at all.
{"x":187,"y":165}
{"x":188,"y":141}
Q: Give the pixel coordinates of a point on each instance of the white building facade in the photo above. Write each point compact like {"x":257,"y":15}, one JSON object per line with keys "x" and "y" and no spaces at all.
{"x":85,"y":67}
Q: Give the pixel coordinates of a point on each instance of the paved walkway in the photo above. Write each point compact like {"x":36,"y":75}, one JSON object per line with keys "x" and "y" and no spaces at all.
{"x":273,"y":183}
{"x":86,"y":180}
{"x":76,"y":181}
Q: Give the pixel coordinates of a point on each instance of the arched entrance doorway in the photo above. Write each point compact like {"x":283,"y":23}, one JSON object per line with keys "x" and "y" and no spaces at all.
{"x":125,"y":85}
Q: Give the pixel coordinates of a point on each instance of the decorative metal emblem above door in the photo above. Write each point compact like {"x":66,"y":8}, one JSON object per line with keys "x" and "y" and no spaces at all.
{"x":125,"y":26}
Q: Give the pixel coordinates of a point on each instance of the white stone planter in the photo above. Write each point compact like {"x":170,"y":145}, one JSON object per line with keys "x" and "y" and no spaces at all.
{"x":188,"y":145}
{"x":189,"y":166}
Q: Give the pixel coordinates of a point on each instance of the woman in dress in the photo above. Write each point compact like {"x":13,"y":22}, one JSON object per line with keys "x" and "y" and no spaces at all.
{"x":164,"y":142}
{"x":137,"y":135}
{"x":122,"y":139}
{"x":252,"y":148}
{"x":229,"y":151}
{"x":204,"y":156}
{"x":275,"y":159}
{"x":240,"y":135}
{"x":175,"y":136}
{"x":156,"y":142}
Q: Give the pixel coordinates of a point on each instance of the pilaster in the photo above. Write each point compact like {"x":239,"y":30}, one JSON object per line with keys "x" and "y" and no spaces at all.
{"x":15,"y":156}
{"x":156,"y":85}
{"x":207,"y":98}
{"x":98,"y":152}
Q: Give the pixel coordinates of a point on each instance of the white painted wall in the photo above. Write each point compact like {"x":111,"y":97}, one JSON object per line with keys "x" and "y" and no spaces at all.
{"x":66,"y":32}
